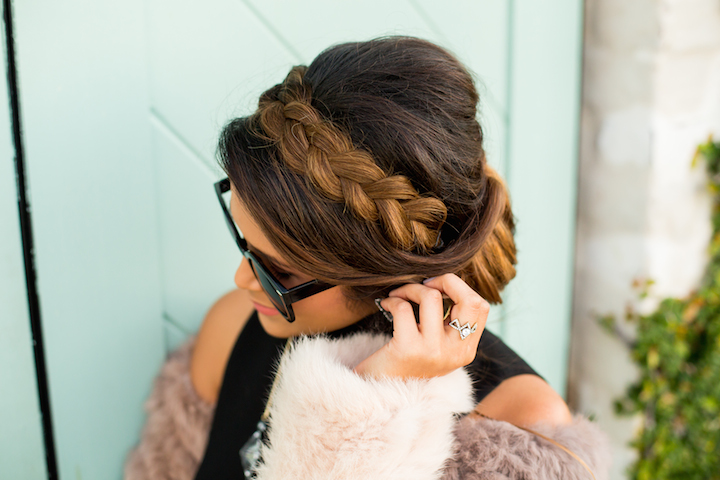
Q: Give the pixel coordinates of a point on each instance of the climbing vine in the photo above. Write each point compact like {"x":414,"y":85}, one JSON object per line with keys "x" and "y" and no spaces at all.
{"x":677,"y":348}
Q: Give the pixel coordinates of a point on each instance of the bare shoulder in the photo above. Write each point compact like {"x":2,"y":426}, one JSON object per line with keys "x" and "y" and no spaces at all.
{"x":525,"y":400}
{"x":215,"y":340}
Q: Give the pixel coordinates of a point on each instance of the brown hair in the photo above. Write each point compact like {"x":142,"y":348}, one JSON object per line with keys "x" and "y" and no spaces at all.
{"x":366,"y":169}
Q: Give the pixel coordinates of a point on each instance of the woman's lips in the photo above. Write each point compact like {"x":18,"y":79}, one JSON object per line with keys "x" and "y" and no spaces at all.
{"x":265,"y":310}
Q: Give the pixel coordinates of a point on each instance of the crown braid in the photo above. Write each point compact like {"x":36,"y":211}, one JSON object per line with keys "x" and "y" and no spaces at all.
{"x":315,"y":148}
{"x":345,"y":163}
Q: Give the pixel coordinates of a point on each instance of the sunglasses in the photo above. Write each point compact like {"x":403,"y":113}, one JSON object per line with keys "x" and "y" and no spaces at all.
{"x":282,"y":298}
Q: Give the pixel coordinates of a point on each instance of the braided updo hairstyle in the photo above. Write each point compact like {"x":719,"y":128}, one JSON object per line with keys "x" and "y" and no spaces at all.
{"x":367,"y":169}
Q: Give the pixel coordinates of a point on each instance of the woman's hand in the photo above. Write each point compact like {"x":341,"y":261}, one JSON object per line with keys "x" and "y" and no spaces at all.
{"x":431,"y":347}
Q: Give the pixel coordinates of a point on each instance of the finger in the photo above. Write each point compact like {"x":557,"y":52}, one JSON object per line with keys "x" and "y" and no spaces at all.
{"x":469,"y":306}
{"x":465,"y":350}
{"x":431,"y":306}
{"x":463,"y":329}
{"x":404,"y":325}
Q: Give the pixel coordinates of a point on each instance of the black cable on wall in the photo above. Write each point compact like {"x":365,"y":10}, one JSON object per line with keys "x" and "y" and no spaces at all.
{"x":27,"y":243}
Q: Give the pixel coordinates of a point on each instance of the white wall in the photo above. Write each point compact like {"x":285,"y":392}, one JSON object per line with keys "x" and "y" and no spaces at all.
{"x":651,"y":95}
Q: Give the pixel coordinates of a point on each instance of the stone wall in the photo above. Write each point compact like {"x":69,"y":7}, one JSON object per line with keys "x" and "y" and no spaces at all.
{"x":651,"y":94}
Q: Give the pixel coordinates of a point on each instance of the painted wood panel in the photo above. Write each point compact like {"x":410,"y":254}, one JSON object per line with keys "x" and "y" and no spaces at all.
{"x":22,"y":452}
{"x":83,"y":86}
{"x":198,"y":255}
{"x":208,"y":62}
{"x":542,"y":174}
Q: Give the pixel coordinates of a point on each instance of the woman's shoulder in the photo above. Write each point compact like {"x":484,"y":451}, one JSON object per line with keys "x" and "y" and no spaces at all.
{"x":525,"y":400}
{"x":215,"y":340}
{"x":509,"y":389}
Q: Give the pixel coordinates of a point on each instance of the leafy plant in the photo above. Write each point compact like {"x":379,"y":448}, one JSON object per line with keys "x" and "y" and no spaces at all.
{"x":678,"y":351}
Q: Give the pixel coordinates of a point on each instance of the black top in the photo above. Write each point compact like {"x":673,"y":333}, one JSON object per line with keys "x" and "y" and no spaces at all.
{"x":249,"y":375}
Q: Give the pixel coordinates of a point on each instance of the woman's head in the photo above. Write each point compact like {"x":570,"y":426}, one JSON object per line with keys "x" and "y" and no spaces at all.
{"x":367,"y":170}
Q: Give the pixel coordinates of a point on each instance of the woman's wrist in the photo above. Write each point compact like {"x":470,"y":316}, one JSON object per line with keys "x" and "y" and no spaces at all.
{"x":372,"y":366}
{"x":382,"y":364}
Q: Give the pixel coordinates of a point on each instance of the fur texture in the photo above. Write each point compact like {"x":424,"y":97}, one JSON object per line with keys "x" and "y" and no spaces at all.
{"x":175,"y":434}
{"x":328,"y":422}
{"x":494,"y":450}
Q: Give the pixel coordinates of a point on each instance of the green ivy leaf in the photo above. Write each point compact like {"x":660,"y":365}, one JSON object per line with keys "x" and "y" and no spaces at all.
{"x":677,"y":349}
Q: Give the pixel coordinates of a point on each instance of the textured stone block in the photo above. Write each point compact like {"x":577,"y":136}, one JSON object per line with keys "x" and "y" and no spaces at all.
{"x":682,"y":80}
{"x":612,"y":198}
{"x":622,"y":24}
{"x":614,"y":79}
{"x":690,"y":25}
{"x":624,"y":136}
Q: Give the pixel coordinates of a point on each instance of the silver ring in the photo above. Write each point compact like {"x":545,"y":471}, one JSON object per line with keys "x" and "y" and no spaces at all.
{"x":464,"y":330}
{"x":388,"y":316}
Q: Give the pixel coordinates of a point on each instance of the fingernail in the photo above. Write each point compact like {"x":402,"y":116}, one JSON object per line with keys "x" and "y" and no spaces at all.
{"x":429,"y":279}
{"x":388,"y":315}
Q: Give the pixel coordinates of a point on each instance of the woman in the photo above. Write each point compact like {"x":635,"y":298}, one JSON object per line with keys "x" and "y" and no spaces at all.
{"x":361,"y":189}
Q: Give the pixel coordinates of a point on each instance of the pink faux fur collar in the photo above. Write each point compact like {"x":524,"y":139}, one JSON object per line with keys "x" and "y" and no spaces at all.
{"x":328,"y":422}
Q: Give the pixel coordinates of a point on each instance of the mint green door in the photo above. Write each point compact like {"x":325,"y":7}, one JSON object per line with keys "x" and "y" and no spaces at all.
{"x":121,"y":105}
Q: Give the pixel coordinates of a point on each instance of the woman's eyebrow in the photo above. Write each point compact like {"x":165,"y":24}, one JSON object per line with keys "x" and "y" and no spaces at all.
{"x":257,"y":251}
{"x":272,"y":259}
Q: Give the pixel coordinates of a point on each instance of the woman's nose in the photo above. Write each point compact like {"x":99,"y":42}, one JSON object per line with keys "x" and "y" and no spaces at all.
{"x":245,"y":277}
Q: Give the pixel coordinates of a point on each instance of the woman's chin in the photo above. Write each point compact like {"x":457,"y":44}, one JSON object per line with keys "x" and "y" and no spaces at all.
{"x":276,"y":325}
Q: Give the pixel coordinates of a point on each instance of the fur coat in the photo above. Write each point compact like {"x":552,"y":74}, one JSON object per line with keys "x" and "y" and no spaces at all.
{"x":326,"y":422}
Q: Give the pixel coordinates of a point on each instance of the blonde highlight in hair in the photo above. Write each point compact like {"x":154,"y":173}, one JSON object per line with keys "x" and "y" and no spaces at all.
{"x":366,"y":169}
{"x":494,"y":264}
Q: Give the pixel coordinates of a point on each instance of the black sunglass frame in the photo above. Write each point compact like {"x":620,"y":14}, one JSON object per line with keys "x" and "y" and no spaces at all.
{"x":286,"y":297}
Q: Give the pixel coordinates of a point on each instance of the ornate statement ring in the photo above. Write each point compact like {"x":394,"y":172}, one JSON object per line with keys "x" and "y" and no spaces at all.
{"x":464,"y":330}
